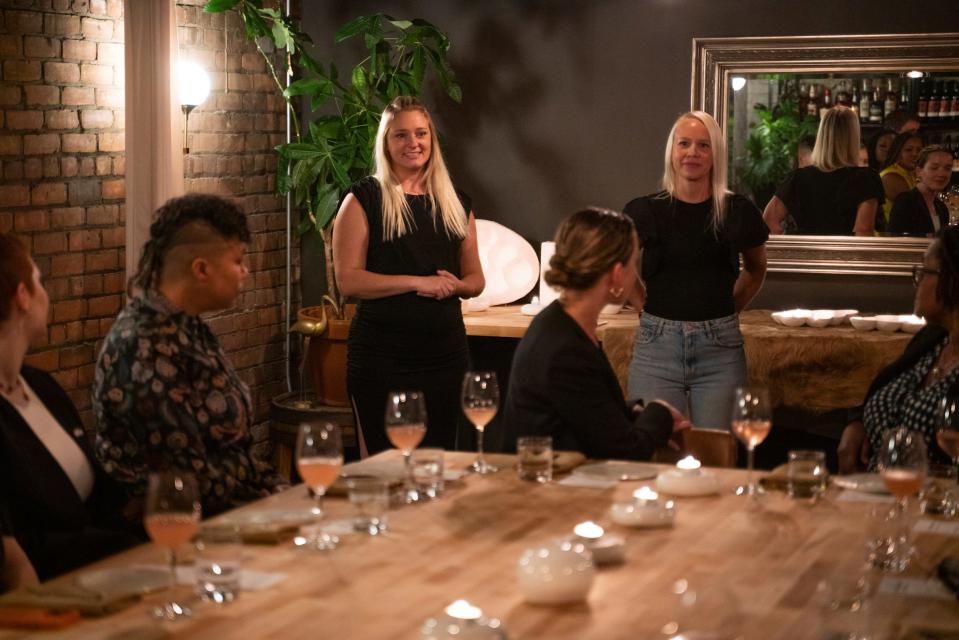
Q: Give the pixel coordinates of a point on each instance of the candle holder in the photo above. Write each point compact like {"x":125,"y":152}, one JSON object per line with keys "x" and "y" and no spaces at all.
{"x":555,"y":573}
{"x":688,"y":479}
{"x":646,"y":510}
{"x":463,"y":621}
{"x":606,"y":548}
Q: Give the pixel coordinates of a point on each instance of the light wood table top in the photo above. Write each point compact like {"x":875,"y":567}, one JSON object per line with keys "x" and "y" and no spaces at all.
{"x":466,"y":544}
{"x":507,"y":321}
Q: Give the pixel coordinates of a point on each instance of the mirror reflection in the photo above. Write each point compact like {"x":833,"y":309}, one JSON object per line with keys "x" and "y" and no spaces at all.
{"x":887,"y":161}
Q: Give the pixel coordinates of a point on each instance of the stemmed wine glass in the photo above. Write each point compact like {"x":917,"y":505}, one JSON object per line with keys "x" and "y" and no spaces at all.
{"x":947,"y":432}
{"x":319,"y":458}
{"x":480,"y":403}
{"x":171,"y":518}
{"x":902,"y":464}
{"x":752,"y":419}
{"x":405,"y":424}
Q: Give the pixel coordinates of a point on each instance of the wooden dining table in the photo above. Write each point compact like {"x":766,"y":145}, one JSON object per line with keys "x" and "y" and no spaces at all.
{"x":770,"y":572}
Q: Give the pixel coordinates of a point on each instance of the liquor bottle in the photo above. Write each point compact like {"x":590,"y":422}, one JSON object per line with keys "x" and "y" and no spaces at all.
{"x":954,"y":109}
{"x":875,"y":109}
{"x":812,"y":105}
{"x":945,"y":103}
{"x":904,"y":94}
{"x":934,"y":102}
{"x":865,"y":102}
{"x":842,"y":96}
{"x":855,"y":99}
{"x":803,"y":98}
{"x":889,"y":104}
{"x":826,"y":103}
{"x":922,"y":106}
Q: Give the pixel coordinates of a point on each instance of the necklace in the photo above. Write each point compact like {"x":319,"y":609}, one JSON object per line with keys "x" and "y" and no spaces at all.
{"x":943,"y":364}
{"x":15,"y":388}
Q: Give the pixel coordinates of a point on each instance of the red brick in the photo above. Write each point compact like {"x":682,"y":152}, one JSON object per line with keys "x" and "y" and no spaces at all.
{"x":79,"y":142}
{"x":103,"y":306}
{"x":120,"y":119}
{"x":86,"y":372}
{"x":62,"y":119}
{"x":115,"y":8}
{"x":44,"y":360}
{"x":40,"y":94}
{"x":96,"y":118}
{"x":75,"y":356}
{"x":68,"y":310}
{"x":68,"y":167}
{"x":48,"y":193}
{"x":86,"y":167}
{"x":61,"y":24}
{"x":110,"y":97}
{"x":32,"y":169}
{"x":15,"y":195}
{"x":69,"y":217}
{"x":67,"y":264}
{"x":57,"y":333}
{"x":91,"y":331}
{"x":61,"y":72}
{"x":51,"y":167}
{"x":12,"y":170}
{"x":74,"y":331}
{"x":11,"y":145}
{"x":24,"y":119}
{"x":97,"y":29}
{"x":86,"y":286}
{"x":104,"y":165}
{"x":113,"y":237}
{"x":84,"y":191}
{"x":49,"y":243}
{"x":21,"y":71}
{"x":9,"y":95}
{"x":111,"y":142}
{"x":103,"y":215}
{"x":101,"y":260}
{"x":82,"y":50}
{"x":38,"y":220}
{"x":23,"y":22}
{"x":114,"y":189}
{"x":41,"y":144}
{"x":10,"y":46}
{"x":78,"y":95}
{"x":40,"y":47}
{"x":96,"y":74}
{"x":84,"y":240}
{"x":98,"y":7}
{"x":110,"y":53}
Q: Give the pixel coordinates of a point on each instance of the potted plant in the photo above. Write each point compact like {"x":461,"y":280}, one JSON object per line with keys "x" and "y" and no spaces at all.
{"x":335,"y":147}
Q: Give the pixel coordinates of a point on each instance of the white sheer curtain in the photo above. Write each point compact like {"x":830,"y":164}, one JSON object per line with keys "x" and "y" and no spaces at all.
{"x":154,"y":156}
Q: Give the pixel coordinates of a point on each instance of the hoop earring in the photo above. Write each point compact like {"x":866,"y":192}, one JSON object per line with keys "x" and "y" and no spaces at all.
{"x":616,"y":292}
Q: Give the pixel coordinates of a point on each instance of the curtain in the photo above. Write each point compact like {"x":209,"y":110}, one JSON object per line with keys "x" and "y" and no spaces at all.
{"x":154,"y":157}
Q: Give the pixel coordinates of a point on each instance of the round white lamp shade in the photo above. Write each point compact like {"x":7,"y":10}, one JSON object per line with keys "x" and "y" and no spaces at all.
{"x":509,"y":263}
{"x":194,"y":83}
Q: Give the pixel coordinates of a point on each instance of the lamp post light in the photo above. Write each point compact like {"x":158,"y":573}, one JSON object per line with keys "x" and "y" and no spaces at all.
{"x":194,"y":89}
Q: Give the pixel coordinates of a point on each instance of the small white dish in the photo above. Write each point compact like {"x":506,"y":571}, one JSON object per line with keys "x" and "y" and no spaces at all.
{"x":608,"y":549}
{"x":611,"y":309}
{"x":474,"y":305}
{"x":556,"y":573}
{"x":677,"y":483}
{"x":867,"y":482}
{"x":842,"y":315}
{"x":912,"y":323}
{"x":531,"y":309}
{"x":862,"y":323}
{"x":792,"y":317}
{"x":888,"y":323}
{"x":119,"y":581}
{"x":617,"y":471}
{"x":820,"y":318}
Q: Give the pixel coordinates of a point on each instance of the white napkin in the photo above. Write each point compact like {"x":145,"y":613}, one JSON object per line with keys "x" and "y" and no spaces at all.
{"x":861,"y":496}
{"x":937,"y":527}
{"x":587,"y":482}
{"x":250,"y":580}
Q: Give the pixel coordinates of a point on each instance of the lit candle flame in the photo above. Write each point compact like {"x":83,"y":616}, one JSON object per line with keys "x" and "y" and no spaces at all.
{"x":589,"y":530}
{"x":463,"y":610}
{"x":645,"y":494}
{"x":689,"y":463}
{"x":535,"y":300}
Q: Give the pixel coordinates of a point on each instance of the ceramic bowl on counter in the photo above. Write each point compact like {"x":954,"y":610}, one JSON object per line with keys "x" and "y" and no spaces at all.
{"x":792,"y":317}
{"x":912,"y":324}
{"x":862,"y":323}
{"x":888,"y":323}
{"x":820,"y":318}
{"x":840,"y":316}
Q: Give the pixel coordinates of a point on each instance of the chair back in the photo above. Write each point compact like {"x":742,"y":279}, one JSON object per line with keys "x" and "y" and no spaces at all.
{"x":712,"y":447}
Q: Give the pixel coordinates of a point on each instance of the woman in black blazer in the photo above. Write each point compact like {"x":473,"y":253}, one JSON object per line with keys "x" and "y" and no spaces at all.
{"x":910,"y":390}
{"x":919,"y":212}
{"x":561,"y":383}
{"x":62,"y":509}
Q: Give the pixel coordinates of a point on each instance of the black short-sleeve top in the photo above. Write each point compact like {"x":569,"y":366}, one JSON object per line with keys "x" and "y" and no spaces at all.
{"x":824,"y":203}
{"x":690,"y":269}
{"x":421,"y":251}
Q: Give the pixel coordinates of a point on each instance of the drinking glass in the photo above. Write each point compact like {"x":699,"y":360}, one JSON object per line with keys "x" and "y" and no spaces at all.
{"x":752,"y":419}
{"x":950,"y":197}
{"x":902,"y":464}
{"x":480,"y":403}
{"x":947,"y":433}
{"x":171,"y":518}
{"x":319,"y":458}
{"x":405,"y":424}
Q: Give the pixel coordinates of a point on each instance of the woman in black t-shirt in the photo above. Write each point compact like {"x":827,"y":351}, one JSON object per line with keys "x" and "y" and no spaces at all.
{"x":689,"y":349}
{"x":404,"y":243}
{"x":833,"y":196}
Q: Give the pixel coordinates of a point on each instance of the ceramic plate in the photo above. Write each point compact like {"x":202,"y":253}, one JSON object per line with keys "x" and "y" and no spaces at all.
{"x":617,"y":471}
{"x":868,"y":482}
{"x":125,"y":580}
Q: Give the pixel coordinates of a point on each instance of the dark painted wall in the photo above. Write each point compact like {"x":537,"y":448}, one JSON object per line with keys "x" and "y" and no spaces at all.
{"x":568,"y":103}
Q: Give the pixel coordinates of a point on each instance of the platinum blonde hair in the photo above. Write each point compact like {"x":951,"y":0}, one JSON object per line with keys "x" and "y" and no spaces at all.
{"x":397,"y":216}
{"x":718,"y":180}
{"x":837,"y":143}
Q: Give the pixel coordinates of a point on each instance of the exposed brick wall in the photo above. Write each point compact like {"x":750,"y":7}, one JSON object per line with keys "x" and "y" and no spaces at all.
{"x":61,"y":185}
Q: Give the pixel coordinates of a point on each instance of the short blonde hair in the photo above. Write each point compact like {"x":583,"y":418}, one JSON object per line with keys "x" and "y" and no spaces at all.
{"x":718,"y":175}
{"x":837,"y":143}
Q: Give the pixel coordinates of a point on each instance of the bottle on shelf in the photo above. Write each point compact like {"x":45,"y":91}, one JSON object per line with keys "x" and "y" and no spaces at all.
{"x":812,"y":104}
{"x":842,"y":95}
{"x":945,"y":103}
{"x":889,"y":104}
{"x":826,"y":103}
{"x":922,"y":105}
{"x":803,"y":98}
{"x":934,"y":102}
{"x":865,"y":102}
{"x":855,"y":101}
{"x":954,"y":108}
{"x":904,"y":94}
{"x":875,"y":109}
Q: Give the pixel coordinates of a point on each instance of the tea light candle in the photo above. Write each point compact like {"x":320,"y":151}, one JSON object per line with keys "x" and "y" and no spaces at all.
{"x":588,"y":531}
{"x":646,"y":510}
{"x":689,"y":466}
{"x":462,"y":621}
{"x":645,"y":495}
{"x":463,"y":610}
{"x":606,"y":549}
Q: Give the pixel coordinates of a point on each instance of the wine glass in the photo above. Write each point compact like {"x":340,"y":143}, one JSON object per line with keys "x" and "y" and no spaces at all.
{"x":947,"y":433}
{"x":171,"y":518}
{"x":752,"y":419}
{"x":405,"y":424}
{"x":902,"y":464}
{"x":480,"y":403}
{"x":319,"y":458}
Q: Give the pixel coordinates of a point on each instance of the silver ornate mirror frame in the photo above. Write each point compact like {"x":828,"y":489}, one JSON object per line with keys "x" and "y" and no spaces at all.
{"x":715,"y":60}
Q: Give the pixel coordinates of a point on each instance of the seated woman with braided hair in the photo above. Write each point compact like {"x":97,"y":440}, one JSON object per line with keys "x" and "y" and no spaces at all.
{"x":561,"y":383}
{"x":165,"y":394}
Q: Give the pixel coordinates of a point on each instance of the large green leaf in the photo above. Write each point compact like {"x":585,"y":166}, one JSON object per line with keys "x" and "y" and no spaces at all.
{"x":307,"y":87}
{"x":359,"y":79}
{"x":216,"y":6}
{"x":351,"y":28}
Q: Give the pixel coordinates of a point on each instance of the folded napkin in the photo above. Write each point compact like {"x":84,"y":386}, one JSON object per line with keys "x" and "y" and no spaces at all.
{"x":267,"y":526}
{"x":587,"y":482}
{"x":64,"y":596}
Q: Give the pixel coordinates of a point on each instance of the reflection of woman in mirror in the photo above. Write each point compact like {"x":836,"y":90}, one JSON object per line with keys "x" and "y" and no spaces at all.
{"x":899,"y":173}
{"x":910,"y":390}
{"x":833,"y":196}
{"x":878,"y":148}
{"x":919,"y":212}
{"x":693,"y":234}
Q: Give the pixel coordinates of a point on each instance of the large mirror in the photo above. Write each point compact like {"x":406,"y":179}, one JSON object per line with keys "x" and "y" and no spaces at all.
{"x":748,"y":82}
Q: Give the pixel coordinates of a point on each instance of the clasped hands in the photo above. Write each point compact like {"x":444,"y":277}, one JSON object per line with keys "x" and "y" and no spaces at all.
{"x":443,"y":285}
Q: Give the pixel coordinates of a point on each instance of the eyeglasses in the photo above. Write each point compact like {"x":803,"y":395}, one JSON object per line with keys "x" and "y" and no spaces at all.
{"x":919,"y":272}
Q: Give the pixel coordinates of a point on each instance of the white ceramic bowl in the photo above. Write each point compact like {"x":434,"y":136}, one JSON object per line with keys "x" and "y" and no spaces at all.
{"x":843,"y":314}
{"x":888,"y":323}
{"x":791,"y":318}
{"x":611,"y":309}
{"x":911,"y":323}
{"x":555,"y":573}
{"x":862,"y":323}
{"x":821,"y":318}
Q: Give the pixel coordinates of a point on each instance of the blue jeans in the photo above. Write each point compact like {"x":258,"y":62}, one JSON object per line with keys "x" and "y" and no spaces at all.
{"x":694,"y":366}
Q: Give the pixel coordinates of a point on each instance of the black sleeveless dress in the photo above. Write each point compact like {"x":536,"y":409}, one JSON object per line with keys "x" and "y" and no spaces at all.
{"x":406,"y":341}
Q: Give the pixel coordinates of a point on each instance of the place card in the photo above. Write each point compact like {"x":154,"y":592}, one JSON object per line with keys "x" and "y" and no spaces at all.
{"x":860,"y":496}
{"x":915,"y":587}
{"x":937,"y":527}
{"x":587,"y":482}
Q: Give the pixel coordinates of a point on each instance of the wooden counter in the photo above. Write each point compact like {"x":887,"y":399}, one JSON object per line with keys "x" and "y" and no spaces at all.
{"x":768,"y":569}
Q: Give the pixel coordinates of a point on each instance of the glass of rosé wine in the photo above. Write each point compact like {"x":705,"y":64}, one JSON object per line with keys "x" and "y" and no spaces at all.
{"x":947,"y":432}
{"x":172,"y":516}
{"x":751,"y":422}
{"x":902,"y":463}
{"x":319,"y":458}
{"x":405,"y":423}
{"x":480,"y":403}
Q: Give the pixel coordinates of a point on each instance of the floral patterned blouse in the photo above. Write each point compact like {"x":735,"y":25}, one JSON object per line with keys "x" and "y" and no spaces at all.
{"x":166,"y":396}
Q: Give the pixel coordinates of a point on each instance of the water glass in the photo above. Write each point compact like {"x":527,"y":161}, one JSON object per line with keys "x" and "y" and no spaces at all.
{"x":218,"y":565}
{"x":806,"y":474}
{"x":428,"y":472}
{"x":535,"y":455}
{"x":371,"y":499}
{"x":940,"y":492}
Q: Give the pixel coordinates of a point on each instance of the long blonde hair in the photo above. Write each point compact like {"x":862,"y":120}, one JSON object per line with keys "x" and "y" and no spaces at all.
{"x":397,"y":215}
{"x":719,"y":187}
{"x":837,"y":143}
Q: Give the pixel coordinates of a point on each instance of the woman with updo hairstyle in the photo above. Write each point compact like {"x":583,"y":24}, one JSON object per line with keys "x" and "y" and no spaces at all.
{"x":910,"y":390}
{"x":561,"y":383}
{"x":165,"y":394}
{"x":57,"y":505}
{"x":919,"y":211}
